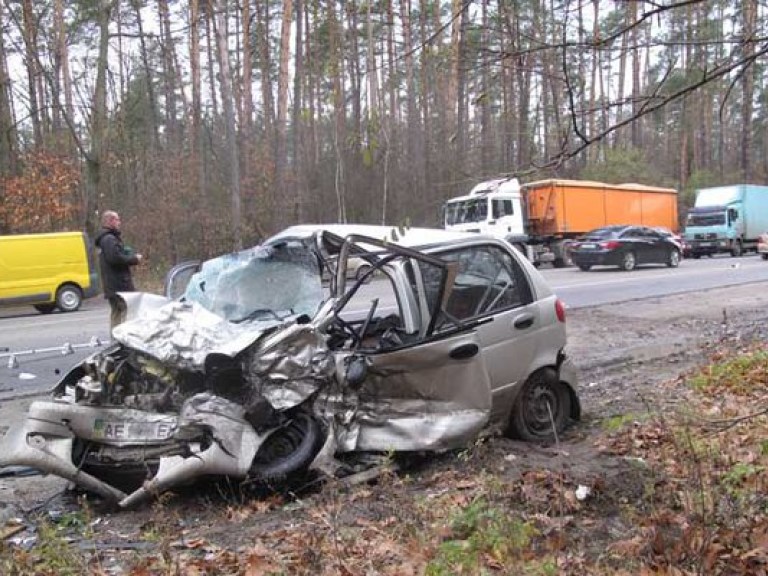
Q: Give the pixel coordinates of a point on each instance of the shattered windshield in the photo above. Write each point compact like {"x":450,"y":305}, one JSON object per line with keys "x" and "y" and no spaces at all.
{"x":265,"y":283}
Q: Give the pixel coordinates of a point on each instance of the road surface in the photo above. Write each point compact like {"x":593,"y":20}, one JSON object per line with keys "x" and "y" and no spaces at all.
{"x":68,"y":338}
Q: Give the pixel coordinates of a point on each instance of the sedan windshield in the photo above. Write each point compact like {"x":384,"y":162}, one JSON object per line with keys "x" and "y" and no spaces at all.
{"x":265,"y":283}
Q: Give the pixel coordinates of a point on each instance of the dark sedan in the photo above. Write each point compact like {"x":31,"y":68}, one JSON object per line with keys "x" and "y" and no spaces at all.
{"x":625,"y":247}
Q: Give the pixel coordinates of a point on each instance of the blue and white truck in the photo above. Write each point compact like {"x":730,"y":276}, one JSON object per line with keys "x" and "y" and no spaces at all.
{"x":726,"y":219}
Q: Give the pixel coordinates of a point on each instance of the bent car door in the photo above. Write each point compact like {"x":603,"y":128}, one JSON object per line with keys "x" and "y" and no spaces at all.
{"x":491,"y":288}
{"x":424,"y":389}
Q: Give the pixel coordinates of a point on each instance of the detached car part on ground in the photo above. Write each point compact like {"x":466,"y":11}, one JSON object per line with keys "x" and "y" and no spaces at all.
{"x":258,"y":370}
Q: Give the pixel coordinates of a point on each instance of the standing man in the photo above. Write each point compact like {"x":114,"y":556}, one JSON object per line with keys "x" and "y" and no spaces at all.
{"x":115,"y":261}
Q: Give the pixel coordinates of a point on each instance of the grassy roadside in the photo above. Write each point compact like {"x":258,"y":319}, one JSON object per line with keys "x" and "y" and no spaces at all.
{"x":688,"y":496}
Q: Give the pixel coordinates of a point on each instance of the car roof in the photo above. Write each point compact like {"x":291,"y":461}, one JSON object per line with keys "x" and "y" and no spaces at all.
{"x":407,"y":237}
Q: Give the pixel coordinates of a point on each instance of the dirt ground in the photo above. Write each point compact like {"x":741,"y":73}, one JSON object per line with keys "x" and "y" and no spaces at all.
{"x":628,"y":354}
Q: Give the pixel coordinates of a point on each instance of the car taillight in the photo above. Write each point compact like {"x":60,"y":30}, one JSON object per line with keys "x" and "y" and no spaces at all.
{"x":560,"y":310}
{"x":610,"y":244}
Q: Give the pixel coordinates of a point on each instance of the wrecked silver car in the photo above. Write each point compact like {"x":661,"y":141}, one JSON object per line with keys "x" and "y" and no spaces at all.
{"x":254,"y":367}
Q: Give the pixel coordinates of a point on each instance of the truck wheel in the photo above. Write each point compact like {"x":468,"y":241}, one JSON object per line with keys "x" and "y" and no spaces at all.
{"x":561,"y":262}
{"x":628,"y":261}
{"x":45,"y":308}
{"x":696,"y":256}
{"x":68,"y":298}
{"x":673,"y":260}
{"x":585,"y":267}
{"x":736,"y":249}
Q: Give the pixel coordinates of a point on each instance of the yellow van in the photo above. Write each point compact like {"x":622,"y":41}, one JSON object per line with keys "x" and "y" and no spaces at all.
{"x":47,"y":271}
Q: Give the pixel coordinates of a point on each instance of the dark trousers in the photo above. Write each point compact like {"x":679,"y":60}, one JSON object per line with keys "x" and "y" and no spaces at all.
{"x":118,"y":312}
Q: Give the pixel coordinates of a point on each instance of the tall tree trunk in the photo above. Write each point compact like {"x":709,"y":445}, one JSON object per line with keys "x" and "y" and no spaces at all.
{"x":153,"y":120}
{"x":227,"y":102}
{"x":282,"y":201}
{"x":339,"y":133}
{"x":636,"y":95}
{"x":749,"y":10}
{"x":296,"y":120}
{"x":169,"y":74}
{"x":262,"y":26}
{"x":32,"y":59}
{"x":210,"y":33}
{"x":96,"y":152}
{"x":8,"y":152}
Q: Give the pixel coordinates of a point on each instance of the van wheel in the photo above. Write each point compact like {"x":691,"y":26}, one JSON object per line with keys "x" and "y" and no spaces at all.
{"x":45,"y":308}
{"x":68,"y":298}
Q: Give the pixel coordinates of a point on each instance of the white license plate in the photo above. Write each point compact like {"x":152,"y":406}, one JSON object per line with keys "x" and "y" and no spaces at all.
{"x":705,"y":243}
{"x":128,"y":430}
{"x":588,"y":246}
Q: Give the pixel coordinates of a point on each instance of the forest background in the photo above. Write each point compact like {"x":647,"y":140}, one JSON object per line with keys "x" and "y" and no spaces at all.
{"x":210,"y":124}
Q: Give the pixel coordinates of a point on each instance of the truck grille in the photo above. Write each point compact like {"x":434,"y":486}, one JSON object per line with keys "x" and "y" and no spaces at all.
{"x":708,"y":236}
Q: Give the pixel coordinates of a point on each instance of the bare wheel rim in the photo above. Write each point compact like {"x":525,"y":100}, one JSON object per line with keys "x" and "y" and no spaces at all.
{"x":539,"y":402}
{"x":629,"y":261}
{"x":674,"y":258}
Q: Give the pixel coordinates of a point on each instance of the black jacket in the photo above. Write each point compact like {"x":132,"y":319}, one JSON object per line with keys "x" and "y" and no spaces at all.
{"x":115,"y":262}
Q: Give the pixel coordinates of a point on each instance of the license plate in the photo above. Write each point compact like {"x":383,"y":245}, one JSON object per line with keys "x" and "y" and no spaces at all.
{"x":705,"y":243}
{"x":588,"y":246}
{"x":129,"y":430}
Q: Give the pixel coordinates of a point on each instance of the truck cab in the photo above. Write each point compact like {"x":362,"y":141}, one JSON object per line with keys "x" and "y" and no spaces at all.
{"x":493,"y":207}
{"x":713,"y":229}
{"x":727,"y":219}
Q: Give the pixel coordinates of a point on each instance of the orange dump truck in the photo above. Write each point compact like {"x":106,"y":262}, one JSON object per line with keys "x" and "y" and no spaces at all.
{"x":560,"y":210}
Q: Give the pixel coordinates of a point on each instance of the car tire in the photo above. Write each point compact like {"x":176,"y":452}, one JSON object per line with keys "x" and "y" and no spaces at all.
{"x":288,"y":450}
{"x":673,"y":259}
{"x":45,"y":308}
{"x":737,"y":249}
{"x":362,"y":271}
{"x":628,"y":261}
{"x":585,"y":267}
{"x":764,"y":255}
{"x":542,"y":409}
{"x":68,"y":298}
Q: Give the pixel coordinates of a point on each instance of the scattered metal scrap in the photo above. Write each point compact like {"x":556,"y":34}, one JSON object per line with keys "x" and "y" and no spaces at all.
{"x":65,"y":349}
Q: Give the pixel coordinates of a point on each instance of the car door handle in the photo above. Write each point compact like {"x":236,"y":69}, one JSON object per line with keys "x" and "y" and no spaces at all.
{"x":464,"y":351}
{"x":523,"y":321}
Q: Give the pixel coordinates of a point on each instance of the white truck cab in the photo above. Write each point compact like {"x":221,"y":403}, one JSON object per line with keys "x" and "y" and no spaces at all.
{"x":492,"y":207}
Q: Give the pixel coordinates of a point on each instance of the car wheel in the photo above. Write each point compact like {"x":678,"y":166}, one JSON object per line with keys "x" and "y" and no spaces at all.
{"x":585,"y":267}
{"x":68,"y":298}
{"x":362,"y":271}
{"x":764,"y":255}
{"x":673,"y":260}
{"x":288,"y":449}
{"x":736,"y":249}
{"x":542,"y":409}
{"x":628,"y":261}
{"x":45,"y":308}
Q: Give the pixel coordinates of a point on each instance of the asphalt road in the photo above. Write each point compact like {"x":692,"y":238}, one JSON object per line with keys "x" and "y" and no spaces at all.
{"x":61,"y":341}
